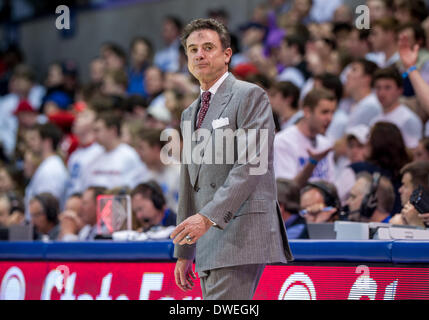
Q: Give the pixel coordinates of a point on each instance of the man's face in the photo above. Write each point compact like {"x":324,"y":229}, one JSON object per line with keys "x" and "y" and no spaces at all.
{"x":88,"y":211}
{"x":84,"y":122}
{"x":38,"y":217}
{"x":320,"y":118}
{"x":355,"y":77}
{"x":169,"y":31}
{"x":207,"y":60}
{"x":419,"y":154}
{"x":377,"y":9}
{"x":112,"y":61}
{"x":356,"y":195}
{"x":73,"y":204}
{"x":355,"y":46}
{"x":409,"y":33}
{"x":355,"y":150}
{"x":6,"y":182}
{"x":97,"y":70}
{"x":20,"y":85}
{"x":148,"y":154}
{"x":312,"y":197}
{"x":406,"y":188}
{"x":103,"y":135}
{"x":276,"y":100}
{"x":145,"y":211}
{"x":153,"y":80}
{"x":377,"y":38}
{"x":33,"y":141}
{"x":388,"y":92}
{"x":140,"y":53}
{"x":286,"y":54}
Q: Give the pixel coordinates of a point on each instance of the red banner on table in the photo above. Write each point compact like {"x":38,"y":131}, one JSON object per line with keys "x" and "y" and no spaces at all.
{"x":154,"y":281}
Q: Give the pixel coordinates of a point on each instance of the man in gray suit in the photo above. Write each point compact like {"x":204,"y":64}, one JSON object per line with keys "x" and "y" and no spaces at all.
{"x":228,"y":215}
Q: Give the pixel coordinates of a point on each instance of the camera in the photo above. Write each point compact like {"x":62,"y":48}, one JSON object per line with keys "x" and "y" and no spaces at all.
{"x":420,"y":200}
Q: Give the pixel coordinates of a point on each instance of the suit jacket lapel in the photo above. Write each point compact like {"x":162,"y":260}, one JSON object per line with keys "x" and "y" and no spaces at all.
{"x":217,"y":106}
{"x":192,"y":169}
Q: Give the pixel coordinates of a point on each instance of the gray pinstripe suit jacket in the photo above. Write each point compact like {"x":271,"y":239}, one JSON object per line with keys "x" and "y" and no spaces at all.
{"x":249,"y":225}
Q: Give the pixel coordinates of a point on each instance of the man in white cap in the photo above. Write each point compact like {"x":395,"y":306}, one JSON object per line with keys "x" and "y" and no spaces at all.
{"x":356,"y":140}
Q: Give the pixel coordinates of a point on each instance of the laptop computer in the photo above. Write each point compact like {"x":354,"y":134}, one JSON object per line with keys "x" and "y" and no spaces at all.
{"x":321,"y":231}
{"x":21,"y":233}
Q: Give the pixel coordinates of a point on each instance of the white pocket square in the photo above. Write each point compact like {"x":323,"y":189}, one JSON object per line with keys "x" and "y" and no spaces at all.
{"x":221,"y":122}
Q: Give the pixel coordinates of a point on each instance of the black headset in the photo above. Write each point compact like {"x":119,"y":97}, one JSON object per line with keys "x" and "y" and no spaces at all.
{"x":369,"y":201}
{"x":156,"y":196}
{"x":330,"y":199}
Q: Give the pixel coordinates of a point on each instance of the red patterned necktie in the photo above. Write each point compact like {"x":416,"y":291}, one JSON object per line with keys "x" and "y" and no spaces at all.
{"x":205,"y":100}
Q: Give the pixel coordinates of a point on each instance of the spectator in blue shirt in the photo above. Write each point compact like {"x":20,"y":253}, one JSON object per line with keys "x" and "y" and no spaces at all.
{"x":141,"y":57}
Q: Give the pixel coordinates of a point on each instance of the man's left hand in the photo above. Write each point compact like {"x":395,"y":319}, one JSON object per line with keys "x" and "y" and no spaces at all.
{"x":190,"y":230}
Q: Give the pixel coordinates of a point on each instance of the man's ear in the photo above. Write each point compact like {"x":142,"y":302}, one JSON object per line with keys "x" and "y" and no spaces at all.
{"x":228,"y":55}
{"x":306,"y":110}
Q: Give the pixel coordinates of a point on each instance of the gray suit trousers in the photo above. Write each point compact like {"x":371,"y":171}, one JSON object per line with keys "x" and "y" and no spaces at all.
{"x":231,"y":283}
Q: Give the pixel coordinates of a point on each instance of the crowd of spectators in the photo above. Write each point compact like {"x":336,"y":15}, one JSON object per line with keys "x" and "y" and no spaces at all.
{"x":350,"y":106}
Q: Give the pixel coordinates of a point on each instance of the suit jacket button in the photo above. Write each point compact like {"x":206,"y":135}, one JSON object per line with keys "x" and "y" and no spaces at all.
{"x":197,"y":189}
{"x":213,"y":185}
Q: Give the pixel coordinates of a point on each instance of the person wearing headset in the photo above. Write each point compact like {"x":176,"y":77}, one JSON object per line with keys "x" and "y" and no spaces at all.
{"x":149,"y":206}
{"x":44,"y":209}
{"x":371,"y":198}
{"x":320,"y":202}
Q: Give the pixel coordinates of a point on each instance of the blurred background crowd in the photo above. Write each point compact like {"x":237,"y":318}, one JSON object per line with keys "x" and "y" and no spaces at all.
{"x":352,"y":130}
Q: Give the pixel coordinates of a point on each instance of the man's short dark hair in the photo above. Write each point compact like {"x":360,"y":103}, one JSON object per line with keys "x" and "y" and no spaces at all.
{"x":135,"y":100}
{"x":116,"y":49}
{"x":312,"y":99}
{"x":150,"y":190}
{"x":176,"y":21}
{"x":368,"y":67}
{"x":328,"y":191}
{"x":50,"y":131}
{"x":387,"y":24}
{"x":288,"y":195}
{"x":151,"y":136}
{"x":97,"y":191}
{"x":24,"y":71}
{"x":295,"y":40}
{"x":419,"y":171}
{"x":288,"y":89}
{"x":144,"y":40}
{"x":419,"y":32}
{"x":389,"y":73}
{"x":331,"y":82}
{"x":110,"y":120}
{"x":210,"y":24}
{"x":50,"y":206}
{"x":416,"y":8}
{"x":363,"y":34}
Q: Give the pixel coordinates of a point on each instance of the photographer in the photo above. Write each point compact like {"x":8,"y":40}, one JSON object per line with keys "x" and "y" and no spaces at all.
{"x":414,"y":174}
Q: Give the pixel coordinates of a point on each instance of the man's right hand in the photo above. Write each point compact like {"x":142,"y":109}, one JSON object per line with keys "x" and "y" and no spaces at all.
{"x":407,"y":53}
{"x":184,"y":275}
{"x":319,"y":156}
{"x":70,"y":223}
{"x":424,"y":217}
